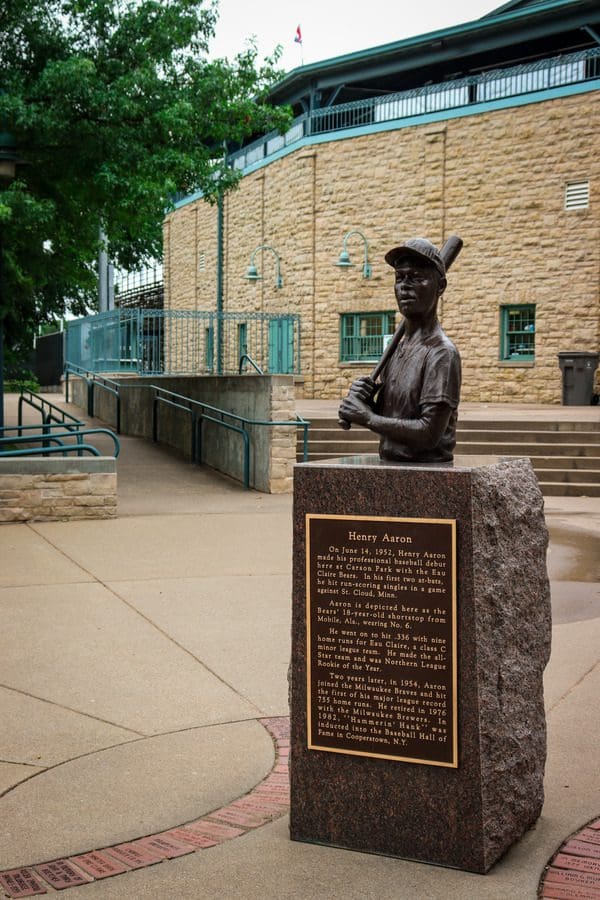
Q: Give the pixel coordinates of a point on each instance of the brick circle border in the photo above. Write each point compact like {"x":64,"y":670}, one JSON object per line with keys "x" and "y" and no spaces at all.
{"x":267,"y":801}
{"x":573,"y":873}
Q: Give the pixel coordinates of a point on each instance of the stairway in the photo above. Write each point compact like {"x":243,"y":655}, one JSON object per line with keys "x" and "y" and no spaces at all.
{"x":564,"y":455}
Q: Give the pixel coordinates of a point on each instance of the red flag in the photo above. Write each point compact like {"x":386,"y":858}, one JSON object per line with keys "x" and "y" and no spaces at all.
{"x":298,"y":38}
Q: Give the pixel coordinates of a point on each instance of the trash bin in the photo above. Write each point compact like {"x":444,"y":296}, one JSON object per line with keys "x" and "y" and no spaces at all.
{"x":578,"y":370}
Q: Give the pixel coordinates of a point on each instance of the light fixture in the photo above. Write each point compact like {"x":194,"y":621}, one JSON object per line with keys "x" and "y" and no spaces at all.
{"x":252,"y":273}
{"x":344,"y":261}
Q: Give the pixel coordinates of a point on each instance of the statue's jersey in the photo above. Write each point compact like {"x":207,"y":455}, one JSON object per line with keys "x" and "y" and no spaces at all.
{"x":424,"y":370}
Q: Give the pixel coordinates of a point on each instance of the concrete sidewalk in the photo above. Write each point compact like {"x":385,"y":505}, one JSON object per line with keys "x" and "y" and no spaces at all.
{"x":143,"y":667}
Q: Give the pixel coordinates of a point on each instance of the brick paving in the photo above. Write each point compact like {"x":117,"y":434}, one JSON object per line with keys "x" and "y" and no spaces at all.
{"x":574,"y":871}
{"x":264,"y":803}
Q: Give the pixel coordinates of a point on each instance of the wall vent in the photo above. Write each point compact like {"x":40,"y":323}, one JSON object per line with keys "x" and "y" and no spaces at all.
{"x":577,"y":195}
{"x":201,"y":262}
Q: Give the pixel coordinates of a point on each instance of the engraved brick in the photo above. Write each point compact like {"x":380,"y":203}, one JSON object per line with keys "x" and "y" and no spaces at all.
{"x":21,"y":883}
{"x":580,"y":863}
{"x":582,"y":848}
{"x":214,"y":830}
{"x":553,"y":891}
{"x":134,"y":856}
{"x":61,"y":874}
{"x":192,"y":837}
{"x":239,"y":815}
{"x":590,"y":835}
{"x":165,"y":844}
{"x":99,"y":864}
{"x":570,"y":876}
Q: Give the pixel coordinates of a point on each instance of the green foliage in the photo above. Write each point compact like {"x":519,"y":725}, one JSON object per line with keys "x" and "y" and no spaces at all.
{"x":25,"y":381}
{"x":116,"y":108}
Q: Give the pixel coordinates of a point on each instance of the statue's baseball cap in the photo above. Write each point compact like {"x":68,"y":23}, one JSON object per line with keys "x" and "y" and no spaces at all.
{"x":422,"y":249}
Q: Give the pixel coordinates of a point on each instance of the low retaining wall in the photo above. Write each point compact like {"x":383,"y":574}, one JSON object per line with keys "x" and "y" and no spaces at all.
{"x":45,"y":490}
{"x":260,"y":397}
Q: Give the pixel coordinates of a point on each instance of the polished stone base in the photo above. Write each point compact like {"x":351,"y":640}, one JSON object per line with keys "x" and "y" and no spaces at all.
{"x":464,"y":817}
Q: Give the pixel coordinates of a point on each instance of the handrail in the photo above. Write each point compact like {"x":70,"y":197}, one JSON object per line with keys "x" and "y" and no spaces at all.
{"x":216,"y":415}
{"x":54,"y":437}
{"x":198,"y":411}
{"x":50,"y":412}
{"x":63,"y":449}
{"x":248,"y":358}
{"x":92,"y":380}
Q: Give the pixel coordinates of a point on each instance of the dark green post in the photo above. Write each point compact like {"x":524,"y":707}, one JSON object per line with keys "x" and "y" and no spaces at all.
{"x":220,"y":285}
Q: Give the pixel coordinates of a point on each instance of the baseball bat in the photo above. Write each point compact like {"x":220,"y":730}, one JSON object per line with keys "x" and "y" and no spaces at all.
{"x":449,"y":252}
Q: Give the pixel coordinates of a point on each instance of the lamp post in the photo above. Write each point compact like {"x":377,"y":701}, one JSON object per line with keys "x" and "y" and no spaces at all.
{"x":344,"y":261}
{"x":252,"y":273}
{"x":8,"y":167}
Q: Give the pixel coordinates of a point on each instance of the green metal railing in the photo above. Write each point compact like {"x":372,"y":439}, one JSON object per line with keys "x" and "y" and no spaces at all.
{"x":513,"y":81}
{"x":44,"y":438}
{"x":49,"y":441}
{"x":243,"y":360}
{"x":198,"y":411}
{"x":94,"y":381}
{"x":48,"y":411}
{"x":182,"y":342}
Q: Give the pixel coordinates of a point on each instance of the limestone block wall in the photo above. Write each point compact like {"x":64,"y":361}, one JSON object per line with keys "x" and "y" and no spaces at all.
{"x":46,"y":490}
{"x":282,"y":455}
{"x":497,"y":178}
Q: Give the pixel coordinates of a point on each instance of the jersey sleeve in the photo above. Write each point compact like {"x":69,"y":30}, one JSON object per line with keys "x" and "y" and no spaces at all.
{"x":442,"y":376}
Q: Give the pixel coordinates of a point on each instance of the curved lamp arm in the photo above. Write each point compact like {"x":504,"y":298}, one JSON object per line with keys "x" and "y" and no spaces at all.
{"x":344,"y":260}
{"x":252,"y":273}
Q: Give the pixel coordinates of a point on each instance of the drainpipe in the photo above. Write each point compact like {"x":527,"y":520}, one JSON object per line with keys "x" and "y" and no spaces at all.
{"x":220,"y":285}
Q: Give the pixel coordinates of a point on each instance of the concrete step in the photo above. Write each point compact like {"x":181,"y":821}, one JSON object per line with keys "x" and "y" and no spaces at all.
{"x":560,"y":489}
{"x":487,"y":425}
{"x":320,"y":430}
{"x":519,"y":425}
{"x":568,"y":476}
{"x":525,"y":448}
{"x":564,"y":455}
{"x":465,"y":435}
{"x":341,"y":447}
{"x":565,"y":462}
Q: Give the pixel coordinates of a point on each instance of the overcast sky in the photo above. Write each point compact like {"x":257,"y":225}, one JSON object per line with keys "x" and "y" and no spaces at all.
{"x":334,"y":27}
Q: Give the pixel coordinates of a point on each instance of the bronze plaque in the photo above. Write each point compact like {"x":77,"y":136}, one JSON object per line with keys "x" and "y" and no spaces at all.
{"x":381,"y":637}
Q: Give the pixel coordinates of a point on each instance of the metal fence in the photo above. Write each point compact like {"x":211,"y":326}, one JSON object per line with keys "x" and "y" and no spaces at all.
{"x":496,"y":84}
{"x":174,"y":342}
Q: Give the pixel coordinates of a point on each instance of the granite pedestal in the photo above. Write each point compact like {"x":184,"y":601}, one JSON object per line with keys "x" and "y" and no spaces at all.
{"x":464,"y":805}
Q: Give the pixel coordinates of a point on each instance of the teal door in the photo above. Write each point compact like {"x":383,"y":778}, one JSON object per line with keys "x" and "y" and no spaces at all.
{"x":281,"y":346}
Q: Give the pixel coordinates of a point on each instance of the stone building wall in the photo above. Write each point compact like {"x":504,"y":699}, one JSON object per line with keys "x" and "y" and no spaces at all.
{"x":497,"y":178}
{"x":43,"y":490}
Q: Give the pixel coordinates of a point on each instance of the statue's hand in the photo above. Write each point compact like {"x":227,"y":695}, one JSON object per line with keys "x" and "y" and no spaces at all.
{"x":354,"y":409}
{"x":363,"y":388}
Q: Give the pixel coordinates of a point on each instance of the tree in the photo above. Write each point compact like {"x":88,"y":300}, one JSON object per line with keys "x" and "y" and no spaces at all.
{"x":116,"y":107}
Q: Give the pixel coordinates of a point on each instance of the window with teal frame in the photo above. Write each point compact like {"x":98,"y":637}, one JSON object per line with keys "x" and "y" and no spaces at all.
{"x":362,"y":335}
{"x":517,"y":336}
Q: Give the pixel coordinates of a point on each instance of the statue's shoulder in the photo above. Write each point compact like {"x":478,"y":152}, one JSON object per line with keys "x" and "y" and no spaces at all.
{"x":439,"y":340}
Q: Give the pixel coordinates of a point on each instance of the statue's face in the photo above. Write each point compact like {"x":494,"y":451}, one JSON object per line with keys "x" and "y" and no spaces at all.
{"x":418,"y":288}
